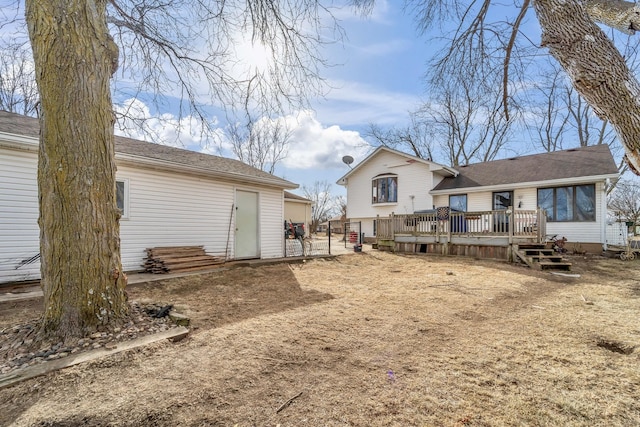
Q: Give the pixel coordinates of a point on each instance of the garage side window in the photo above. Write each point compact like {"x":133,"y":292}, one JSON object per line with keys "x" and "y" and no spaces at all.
{"x":384,"y":189}
{"x":122,"y":197}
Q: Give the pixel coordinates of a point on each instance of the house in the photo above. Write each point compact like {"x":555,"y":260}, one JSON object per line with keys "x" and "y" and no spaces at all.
{"x":297,"y":210}
{"x":168,"y":197}
{"x":389,"y":181}
{"x":501,"y":198}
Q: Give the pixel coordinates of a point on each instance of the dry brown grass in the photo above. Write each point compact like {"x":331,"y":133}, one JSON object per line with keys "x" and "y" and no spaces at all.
{"x":370,"y":339}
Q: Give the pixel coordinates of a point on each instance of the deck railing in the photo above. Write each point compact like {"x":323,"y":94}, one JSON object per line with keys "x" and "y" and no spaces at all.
{"x":530,"y":224}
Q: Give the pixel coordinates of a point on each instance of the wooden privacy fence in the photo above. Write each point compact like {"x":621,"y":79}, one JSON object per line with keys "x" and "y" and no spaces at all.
{"x":443,"y":224}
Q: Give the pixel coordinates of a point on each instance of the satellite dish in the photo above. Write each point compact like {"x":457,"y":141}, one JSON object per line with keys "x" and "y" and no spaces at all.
{"x":347,"y":160}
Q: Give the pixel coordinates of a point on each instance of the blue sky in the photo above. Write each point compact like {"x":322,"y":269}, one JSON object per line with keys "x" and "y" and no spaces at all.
{"x":376,"y":78}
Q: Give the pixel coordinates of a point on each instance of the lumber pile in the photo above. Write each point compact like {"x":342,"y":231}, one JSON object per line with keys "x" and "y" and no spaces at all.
{"x":177,"y":259}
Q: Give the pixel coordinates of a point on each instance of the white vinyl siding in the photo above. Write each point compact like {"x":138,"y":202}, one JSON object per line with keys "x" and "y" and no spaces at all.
{"x":164,"y":209}
{"x":167,"y":209}
{"x":525,"y":199}
{"x":19,"y":232}
{"x":271,"y":212}
{"x":298,"y":212}
{"x":441,"y":200}
{"x":367,"y":225}
{"x":584,"y":232}
{"x":414,"y":179}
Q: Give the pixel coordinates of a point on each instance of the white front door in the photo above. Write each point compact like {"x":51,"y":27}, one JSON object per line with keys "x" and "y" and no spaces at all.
{"x":247,"y":228}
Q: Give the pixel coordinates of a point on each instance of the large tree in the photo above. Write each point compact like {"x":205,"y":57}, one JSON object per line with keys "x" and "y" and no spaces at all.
{"x":480,"y":47}
{"x":260,"y":143}
{"x":595,"y":66}
{"x":79,"y":235}
{"x":320,"y":194}
{"x":18,"y":91}
{"x":624,"y":201}
{"x":188,"y":48}
{"x":416,"y":138}
{"x":467,"y":122}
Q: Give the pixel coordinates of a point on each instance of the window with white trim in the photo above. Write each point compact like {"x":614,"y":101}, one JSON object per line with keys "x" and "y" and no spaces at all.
{"x":122,"y":197}
{"x":458,"y":202}
{"x":576,"y":203}
{"x":384,"y":189}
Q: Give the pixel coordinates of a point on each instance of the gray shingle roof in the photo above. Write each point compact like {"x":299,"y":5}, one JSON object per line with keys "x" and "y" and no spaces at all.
{"x":207,"y":163}
{"x":291,"y":196}
{"x":589,"y":161}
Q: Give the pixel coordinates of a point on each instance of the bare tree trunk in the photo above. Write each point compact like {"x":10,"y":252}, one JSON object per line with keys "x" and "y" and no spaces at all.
{"x":79,"y":231}
{"x":596,"y":68}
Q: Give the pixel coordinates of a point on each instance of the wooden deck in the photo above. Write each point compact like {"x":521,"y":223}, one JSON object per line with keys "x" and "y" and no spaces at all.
{"x":483,"y":234}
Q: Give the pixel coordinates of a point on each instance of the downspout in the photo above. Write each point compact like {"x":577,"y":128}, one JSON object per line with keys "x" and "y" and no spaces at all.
{"x":603,"y":227}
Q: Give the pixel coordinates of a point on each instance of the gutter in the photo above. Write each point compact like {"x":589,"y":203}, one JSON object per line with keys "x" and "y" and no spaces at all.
{"x":519,"y":185}
{"x":164,"y":165}
{"x":19,"y":142}
{"x":603,"y":209}
{"x":31,"y":144}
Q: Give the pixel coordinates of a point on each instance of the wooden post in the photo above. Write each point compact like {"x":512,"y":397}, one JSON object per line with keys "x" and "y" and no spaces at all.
{"x":393,"y":231}
{"x":510,"y":224}
{"x":393,"y":227}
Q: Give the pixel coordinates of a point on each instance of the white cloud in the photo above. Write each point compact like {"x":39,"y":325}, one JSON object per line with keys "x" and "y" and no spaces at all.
{"x":355,"y":104}
{"x":314,"y":146}
{"x":136,"y":121}
{"x":378,"y":14}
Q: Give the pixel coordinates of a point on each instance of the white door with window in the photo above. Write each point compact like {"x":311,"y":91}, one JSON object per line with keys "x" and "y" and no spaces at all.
{"x":247,"y":242}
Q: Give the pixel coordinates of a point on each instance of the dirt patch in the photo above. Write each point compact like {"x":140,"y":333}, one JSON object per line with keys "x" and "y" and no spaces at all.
{"x":368,"y":339}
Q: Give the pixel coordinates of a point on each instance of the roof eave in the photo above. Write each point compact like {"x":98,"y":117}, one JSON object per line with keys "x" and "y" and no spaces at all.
{"x":29,"y":143}
{"x":536,"y":184}
{"x":306,"y":202}
{"x":433,"y":166}
{"x":19,"y":142}
{"x":235,"y":177}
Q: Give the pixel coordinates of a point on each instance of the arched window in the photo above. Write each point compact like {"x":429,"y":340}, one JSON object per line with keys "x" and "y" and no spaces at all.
{"x":384,"y":189}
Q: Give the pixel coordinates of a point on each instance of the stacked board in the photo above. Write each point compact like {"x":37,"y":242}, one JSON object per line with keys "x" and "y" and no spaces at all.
{"x":177,"y":259}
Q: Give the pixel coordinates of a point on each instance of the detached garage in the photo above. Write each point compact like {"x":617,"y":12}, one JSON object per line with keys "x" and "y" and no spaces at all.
{"x":168,"y":196}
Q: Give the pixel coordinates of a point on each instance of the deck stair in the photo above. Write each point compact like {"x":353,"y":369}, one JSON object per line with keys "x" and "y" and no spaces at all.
{"x":539,"y":257}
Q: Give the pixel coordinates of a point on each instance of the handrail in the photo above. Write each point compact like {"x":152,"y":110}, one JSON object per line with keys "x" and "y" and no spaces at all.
{"x":508,"y":223}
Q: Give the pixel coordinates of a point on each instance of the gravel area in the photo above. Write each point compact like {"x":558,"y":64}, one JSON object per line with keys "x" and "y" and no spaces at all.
{"x":18,"y":351}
